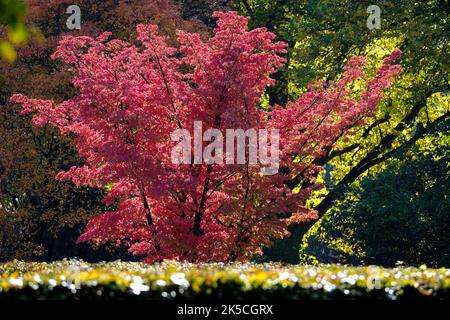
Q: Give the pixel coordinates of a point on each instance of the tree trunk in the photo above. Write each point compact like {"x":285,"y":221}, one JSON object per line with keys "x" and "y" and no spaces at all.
{"x":286,"y":250}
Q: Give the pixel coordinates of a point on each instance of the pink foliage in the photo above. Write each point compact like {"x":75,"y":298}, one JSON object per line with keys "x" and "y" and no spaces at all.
{"x":131,"y":98}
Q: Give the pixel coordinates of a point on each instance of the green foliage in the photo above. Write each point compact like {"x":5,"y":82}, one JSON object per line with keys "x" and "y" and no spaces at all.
{"x":169,"y":280}
{"x":400,"y":214}
{"x":322,"y":36}
{"x":12,"y":15}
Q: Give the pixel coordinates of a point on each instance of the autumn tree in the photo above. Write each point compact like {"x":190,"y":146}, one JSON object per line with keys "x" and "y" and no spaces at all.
{"x":40,"y":218}
{"x":130,"y":99}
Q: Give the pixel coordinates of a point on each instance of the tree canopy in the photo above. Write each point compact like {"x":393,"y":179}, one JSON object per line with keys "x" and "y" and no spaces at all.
{"x":132,"y":98}
{"x":322,"y":35}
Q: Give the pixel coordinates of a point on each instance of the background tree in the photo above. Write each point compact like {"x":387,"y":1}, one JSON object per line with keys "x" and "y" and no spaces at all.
{"x":398,"y":215}
{"x":203,"y":9}
{"x":322,"y":35}
{"x":40,"y":218}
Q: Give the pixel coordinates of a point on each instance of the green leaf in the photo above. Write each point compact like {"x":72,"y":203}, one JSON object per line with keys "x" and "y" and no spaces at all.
{"x":7,"y":51}
{"x":18,"y":34}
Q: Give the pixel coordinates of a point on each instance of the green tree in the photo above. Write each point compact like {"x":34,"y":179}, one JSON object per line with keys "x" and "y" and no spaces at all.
{"x":400,"y":214}
{"x":322,"y":35}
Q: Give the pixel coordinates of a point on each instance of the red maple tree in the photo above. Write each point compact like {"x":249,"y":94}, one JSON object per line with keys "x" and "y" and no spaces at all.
{"x":39,"y":216}
{"x":130,"y":100}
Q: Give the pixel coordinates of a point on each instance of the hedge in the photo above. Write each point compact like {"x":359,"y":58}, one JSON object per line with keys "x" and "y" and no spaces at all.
{"x":75,"y":279}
